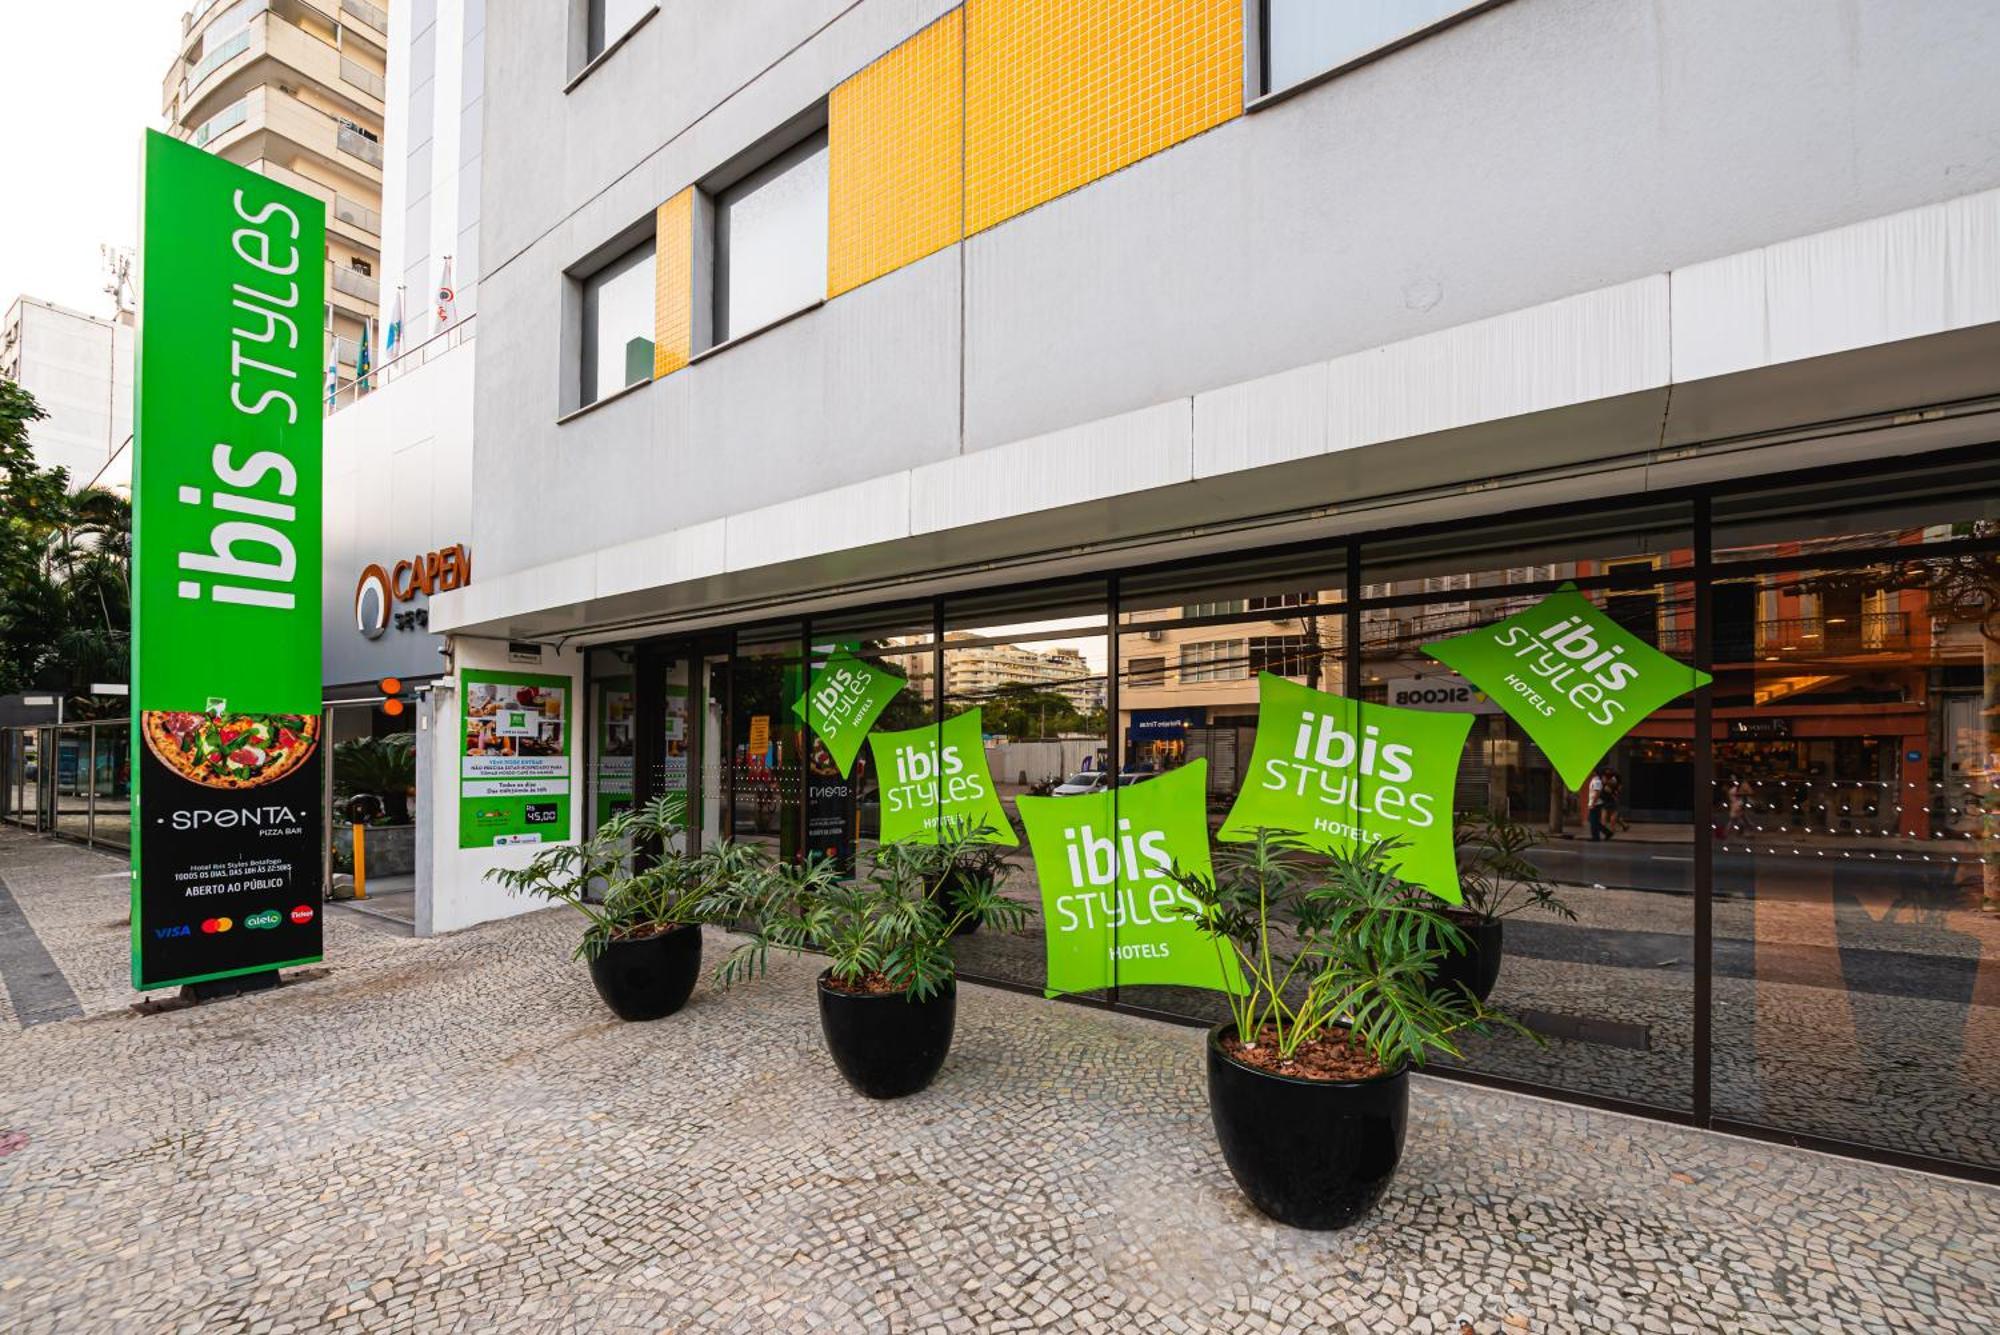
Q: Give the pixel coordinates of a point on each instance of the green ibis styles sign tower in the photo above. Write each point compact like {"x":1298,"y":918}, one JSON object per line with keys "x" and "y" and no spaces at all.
{"x":226,"y":797}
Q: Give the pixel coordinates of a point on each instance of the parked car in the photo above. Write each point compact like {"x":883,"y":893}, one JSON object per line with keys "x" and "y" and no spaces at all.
{"x":1080,"y":785}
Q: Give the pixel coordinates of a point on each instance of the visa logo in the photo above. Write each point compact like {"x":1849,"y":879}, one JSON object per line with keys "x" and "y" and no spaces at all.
{"x":162,"y":933}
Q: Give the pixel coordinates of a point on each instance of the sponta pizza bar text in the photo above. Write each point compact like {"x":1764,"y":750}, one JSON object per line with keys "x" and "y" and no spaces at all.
{"x":250,"y":557}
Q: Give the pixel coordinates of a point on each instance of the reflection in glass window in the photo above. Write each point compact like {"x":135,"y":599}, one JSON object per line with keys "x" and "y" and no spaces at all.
{"x":764,"y":741}
{"x":608,"y":20}
{"x":1042,"y":699}
{"x":1282,"y":655}
{"x":1612,"y":989}
{"x":1857,"y":915}
{"x":617,"y":348}
{"x":770,"y":241}
{"x":1305,"y":37}
{"x":1214,"y":660}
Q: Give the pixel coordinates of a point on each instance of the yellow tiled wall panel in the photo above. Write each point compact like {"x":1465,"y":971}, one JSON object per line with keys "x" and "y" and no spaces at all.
{"x":673,"y":283}
{"x":894,"y":170}
{"x":1061,"y":92}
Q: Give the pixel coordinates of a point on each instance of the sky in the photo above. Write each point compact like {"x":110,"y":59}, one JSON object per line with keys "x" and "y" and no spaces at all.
{"x":79,"y":81}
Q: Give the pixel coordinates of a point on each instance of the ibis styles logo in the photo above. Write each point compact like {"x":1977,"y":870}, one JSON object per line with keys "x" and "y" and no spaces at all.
{"x":1343,"y":775}
{"x":1115,"y":912}
{"x":844,"y":700}
{"x":936,"y":777}
{"x":1574,"y":679}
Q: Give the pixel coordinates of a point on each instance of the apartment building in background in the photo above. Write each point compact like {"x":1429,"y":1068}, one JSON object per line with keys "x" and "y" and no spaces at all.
{"x":79,"y":368}
{"x":296,"y":91}
{"x":978,"y":670}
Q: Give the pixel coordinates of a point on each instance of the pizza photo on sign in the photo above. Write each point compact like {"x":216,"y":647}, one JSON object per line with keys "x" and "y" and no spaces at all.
{"x":230,"y":750}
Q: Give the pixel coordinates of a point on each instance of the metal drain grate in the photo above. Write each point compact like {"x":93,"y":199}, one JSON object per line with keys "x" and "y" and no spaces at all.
{"x":1609,"y":1033}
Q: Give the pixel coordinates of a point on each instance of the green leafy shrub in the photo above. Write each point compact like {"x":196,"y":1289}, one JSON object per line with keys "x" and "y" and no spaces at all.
{"x":889,"y":931}
{"x":668,"y":889}
{"x":1334,"y":947}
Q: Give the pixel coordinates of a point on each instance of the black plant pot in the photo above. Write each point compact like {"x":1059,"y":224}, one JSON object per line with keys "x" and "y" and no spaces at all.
{"x":650,"y":977}
{"x":1477,"y":967}
{"x":1309,"y":1153}
{"x":887,"y":1045}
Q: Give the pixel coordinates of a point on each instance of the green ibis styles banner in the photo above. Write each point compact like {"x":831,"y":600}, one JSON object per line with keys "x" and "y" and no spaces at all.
{"x":513,"y":765}
{"x":1342,"y":774}
{"x":1114,"y":912}
{"x":226,"y":798}
{"x":1574,"y":679}
{"x":844,"y":700}
{"x":935,"y":777}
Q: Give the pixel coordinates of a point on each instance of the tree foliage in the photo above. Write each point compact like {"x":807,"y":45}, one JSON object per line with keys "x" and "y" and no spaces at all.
{"x":65,"y":570}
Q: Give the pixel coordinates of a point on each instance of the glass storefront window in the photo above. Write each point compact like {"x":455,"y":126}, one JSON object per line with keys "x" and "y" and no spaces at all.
{"x":1191,"y":644}
{"x":1611,"y":991}
{"x":1035,"y":668}
{"x":766,"y":676}
{"x":1857,"y":898}
{"x":373,"y":780}
{"x":844,"y":814}
{"x":1847,"y":845}
{"x":613,"y":709}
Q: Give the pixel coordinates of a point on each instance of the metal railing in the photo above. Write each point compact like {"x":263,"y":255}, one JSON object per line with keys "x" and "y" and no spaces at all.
{"x":351,"y":141}
{"x":453,"y":334}
{"x":357,"y":284}
{"x":73,"y":781}
{"x":367,"y":80}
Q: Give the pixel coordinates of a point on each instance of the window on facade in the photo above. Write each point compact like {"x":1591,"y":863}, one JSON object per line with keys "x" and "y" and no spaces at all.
{"x":1221,"y":609}
{"x":617,"y":346}
{"x":1214,"y":660}
{"x":1302,"y":38}
{"x":608,"y":20}
{"x":770,"y":241}
{"x":1283,"y":655}
{"x":1276,"y":601}
{"x":1147,"y":674}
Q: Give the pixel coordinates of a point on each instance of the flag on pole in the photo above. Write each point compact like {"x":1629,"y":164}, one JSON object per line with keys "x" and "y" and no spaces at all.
{"x":447,"y":307}
{"x":361,"y":385}
{"x":333,"y":374}
{"x":393,"y":336}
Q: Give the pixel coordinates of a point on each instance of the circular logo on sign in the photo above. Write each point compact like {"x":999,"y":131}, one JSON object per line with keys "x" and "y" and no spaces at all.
{"x":371,"y":602}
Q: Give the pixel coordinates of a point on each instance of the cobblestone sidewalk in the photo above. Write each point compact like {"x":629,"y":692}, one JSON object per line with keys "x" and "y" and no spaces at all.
{"x":455,"y":1133}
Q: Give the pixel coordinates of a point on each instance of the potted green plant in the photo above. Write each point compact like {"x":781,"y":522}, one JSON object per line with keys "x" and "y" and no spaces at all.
{"x":1308,"y":1082}
{"x":888,"y":998}
{"x":644,"y":909}
{"x":970,"y":864}
{"x":1497,"y":880}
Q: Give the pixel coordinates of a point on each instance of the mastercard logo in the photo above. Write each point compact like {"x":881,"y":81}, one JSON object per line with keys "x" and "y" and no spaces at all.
{"x":302,"y":915}
{"x":215,"y":925}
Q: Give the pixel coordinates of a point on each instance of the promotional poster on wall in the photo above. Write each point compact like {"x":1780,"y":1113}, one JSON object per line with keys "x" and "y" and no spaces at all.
{"x":514,"y":761}
{"x":226,"y":478}
{"x":611,"y":770}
